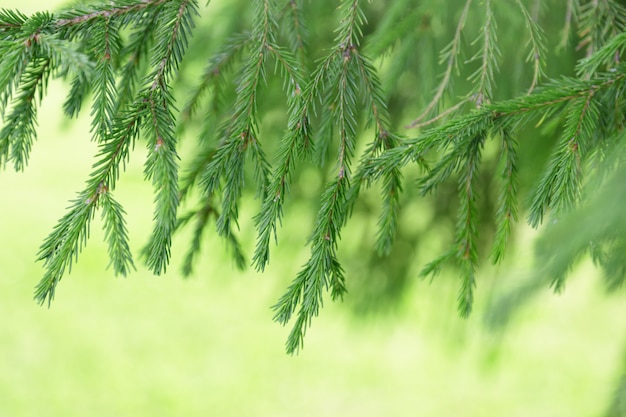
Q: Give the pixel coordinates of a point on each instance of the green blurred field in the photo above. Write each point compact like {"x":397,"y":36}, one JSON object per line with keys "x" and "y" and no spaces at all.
{"x":165,"y":346}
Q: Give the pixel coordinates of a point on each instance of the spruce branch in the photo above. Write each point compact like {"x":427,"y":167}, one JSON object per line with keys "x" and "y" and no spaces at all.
{"x":567,"y":26}
{"x":62,"y":246}
{"x":460,"y":141}
{"x":507,"y":211}
{"x":162,"y":163}
{"x":213,"y":76}
{"x":598,"y":22}
{"x":162,"y":168}
{"x":537,"y":48}
{"x":467,"y":225}
{"x":108,"y":45}
{"x":384,"y":140}
{"x":295,"y":145}
{"x":116,"y":234}
{"x":345,"y":74}
{"x":488,"y":55}
{"x":136,"y":51}
{"x":450,"y":56}
{"x":18,"y":49}
{"x":18,"y":134}
{"x":83,"y":15}
{"x":126,"y":55}
{"x":296,"y":30}
{"x":228,"y":164}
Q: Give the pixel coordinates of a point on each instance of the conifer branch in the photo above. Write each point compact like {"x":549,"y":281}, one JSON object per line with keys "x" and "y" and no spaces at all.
{"x":113,"y":8}
{"x":61,"y":247}
{"x":297,"y":30}
{"x":125,"y":55}
{"x":467,"y":226}
{"x":341,"y":68}
{"x":228,"y":164}
{"x":537,"y":46}
{"x":450,"y":55}
{"x":384,"y":140}
{"x":507,"y":212}
{"x":294,"y":146}
{"x":567,"y":26}
{"x":137,"y":51}
{"x":488,"y":57}
{"x":461,"y":140}
{"x":17,"y":136}
{"x":162,"y":163}
{"x":103,"y":110}
{"x":213,"y":75}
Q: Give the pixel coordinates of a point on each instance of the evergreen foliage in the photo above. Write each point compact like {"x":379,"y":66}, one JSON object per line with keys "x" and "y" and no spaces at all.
{"x":349,"y":114}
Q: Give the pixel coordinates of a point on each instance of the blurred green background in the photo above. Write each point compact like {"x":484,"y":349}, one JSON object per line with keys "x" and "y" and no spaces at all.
{"x":168,"y":346}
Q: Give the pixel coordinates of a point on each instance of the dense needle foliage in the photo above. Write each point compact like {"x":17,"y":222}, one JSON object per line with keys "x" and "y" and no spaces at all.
{"x":363,"y":103}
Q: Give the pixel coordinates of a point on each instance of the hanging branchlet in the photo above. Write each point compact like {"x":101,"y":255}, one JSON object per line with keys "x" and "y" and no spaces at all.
{"x":296,"y":145}
{"x":212,"y":81}
{"x":598,"y":22}
{"x":17,"y":136}
{"x":136,"y":53}
{"x":536,"y":46}
{"x":449,"y":56}
{"x":507,"y":211}
{"x":340,"y":79}
{"x":467,"y":224}
{"x":296,"y":30}
{"x":487,"y":56}
{"x":61,"y":247}
{"x":106,"y":40}
{"x":385,"y":140}
{"x":226,"y":171}
{"x":162,"y":163}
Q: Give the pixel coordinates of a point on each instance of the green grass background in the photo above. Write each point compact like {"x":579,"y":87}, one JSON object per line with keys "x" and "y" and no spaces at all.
{"x":206,"y":346}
